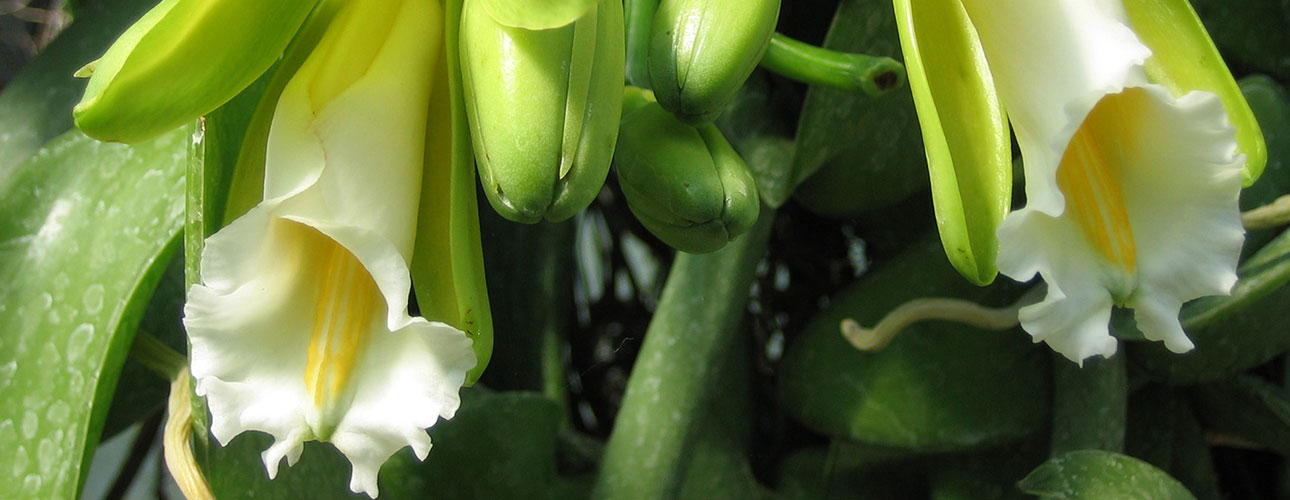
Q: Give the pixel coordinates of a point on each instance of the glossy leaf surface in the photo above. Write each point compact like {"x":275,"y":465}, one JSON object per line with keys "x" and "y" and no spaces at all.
{"x":88,"y":232}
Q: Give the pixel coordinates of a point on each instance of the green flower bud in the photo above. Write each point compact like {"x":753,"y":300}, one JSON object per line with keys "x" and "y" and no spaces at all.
{"x":543,"y":107}
{"x":685,"y":184}
{"x":701,"y":51}
{"x":181,"y":60}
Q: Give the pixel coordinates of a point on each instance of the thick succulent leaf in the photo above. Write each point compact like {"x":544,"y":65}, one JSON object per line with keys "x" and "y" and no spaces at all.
{"x":536,"y":14}
{"x":1163,"y":431}
{"x":965,"y":132}
{"x":88,"y":230}
{"x":929,"y":390}
{"x":1184,"y":59}
{"x":1096,"y":475}
{"x":37,"y":105}
{"x":1247,"y":407}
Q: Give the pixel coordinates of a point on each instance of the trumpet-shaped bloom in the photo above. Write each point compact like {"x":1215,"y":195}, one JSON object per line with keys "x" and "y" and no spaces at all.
{"x":1131,"y":191}
{"x":300,"y":328}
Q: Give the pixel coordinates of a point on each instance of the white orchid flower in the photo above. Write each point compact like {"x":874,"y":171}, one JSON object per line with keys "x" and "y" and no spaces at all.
{"x":1131,"y":186}
{"x":300,"y":328}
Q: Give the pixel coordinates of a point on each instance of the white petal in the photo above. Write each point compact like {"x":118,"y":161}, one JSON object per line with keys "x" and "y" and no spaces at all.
{"x":1052,"y":61}
{"x":1182,"y":202}
{"x":1072,"y":318}
{"x":408,"y":380}
{"x":342,"y":182}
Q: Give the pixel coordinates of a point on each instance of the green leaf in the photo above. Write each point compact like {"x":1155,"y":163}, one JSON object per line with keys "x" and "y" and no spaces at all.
{"x":141,"y":391}
{"x":1248,"y":407}
{"x":1184,"y":59}
{"x":965,"y":132}
{"x":1163,"y":431}
{"x":1098,"y":475}
{"x":536,"y":14}
{"x":37,"y":105}
{"x":938,"y":386}
{"x":88,"y":230}
{"x":858,"y":153}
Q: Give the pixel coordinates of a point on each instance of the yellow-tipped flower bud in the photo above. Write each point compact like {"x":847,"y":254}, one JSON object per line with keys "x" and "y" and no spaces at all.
{"x":684,"y":183}
{"x":543,"y":107}
{"x":181,"y":60}
{"x":701,"y":51}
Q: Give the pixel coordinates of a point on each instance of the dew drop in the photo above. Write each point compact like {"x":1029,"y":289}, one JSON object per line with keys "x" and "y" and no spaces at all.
{"x":75,"y":381}
{"x":30,"y":424}
{"x":48,"y":456}
{"x":58,"y":413}
{"x":49,"y":356}
{"x":20,"y":460}
{"x":61,"y":281}
{"x":7,"y":432}
{"x":6,"y":373}
{"x":45,"y":301}
{"x":32,"y":483}
{"x":79,"y":341}
{"x":93,"y":299}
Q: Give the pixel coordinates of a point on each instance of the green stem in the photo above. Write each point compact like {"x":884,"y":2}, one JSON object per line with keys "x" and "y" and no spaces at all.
{"x":640,"y":18}
{"x":814,"y":65}
{"x":696,"y":323}
{"x":156,"y":356}
{"x":1090,"y":404}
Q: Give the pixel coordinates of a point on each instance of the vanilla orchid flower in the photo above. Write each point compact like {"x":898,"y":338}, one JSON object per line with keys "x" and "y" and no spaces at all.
{"x":1131,"y":187}
{"x":300,"y":328}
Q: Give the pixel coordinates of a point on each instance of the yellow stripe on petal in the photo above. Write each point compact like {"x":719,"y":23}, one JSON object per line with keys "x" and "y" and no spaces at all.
{"x":1094,"y":199}
{"x":343,"y":315}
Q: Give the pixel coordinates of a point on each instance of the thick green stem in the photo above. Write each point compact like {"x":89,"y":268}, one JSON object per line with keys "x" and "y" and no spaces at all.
{"x":840,"y":70}
{"x":696,"y":323}
{"x":640,"y":17}
{"x":1090,"y":404}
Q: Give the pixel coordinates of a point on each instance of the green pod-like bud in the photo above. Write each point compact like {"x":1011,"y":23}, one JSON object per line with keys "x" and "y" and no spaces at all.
{"x":684,"y":183}
{"x":181,"y":60}
{"x":701,"y":51}
{"x":543,"y":107}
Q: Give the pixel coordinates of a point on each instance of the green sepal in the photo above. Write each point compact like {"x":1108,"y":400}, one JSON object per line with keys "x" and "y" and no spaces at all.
{"x":543,"y":109}
{"x":447,"y":260}
{"x":181,"y":60}
{"x":686,"y":184}
{"x":701,"y":51}
{"x":536,"y":14}
{"x":965,"y":131}
{"x":1184,"y":59}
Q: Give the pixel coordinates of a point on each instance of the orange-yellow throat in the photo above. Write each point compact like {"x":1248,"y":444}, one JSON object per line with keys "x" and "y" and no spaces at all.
{"x":1094,"y":199}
